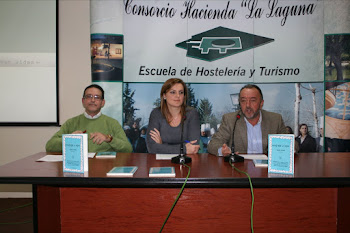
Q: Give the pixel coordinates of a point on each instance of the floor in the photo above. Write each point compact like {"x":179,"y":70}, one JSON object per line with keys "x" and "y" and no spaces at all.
{"x":16,"y":215}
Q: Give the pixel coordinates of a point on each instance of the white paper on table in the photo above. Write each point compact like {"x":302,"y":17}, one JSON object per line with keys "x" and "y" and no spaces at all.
{"x":254,"y":156}
{"x":91,"y":154}
{"x":165,"y":156}
{"x":51,"y":158}
{"x":58,"y":158}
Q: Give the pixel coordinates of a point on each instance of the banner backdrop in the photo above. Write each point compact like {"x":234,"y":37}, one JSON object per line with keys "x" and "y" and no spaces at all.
{"x":224,"y":41}
{"x":228,"y":42}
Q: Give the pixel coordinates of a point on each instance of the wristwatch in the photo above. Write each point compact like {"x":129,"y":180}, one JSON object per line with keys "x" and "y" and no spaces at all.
{"x":110,"y":138}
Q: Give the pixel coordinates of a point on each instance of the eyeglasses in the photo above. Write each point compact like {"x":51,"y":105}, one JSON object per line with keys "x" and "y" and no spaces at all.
{"x":90,"y":97}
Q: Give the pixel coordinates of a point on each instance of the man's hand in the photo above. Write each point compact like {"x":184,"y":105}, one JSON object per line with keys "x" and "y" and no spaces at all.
{"x":98,"y":138}
{"x":78,"y":132}
{"x":225,"y":150}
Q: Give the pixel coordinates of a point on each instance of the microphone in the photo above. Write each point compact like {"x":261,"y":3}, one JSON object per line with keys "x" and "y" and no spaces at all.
{"x":181,"y":158}
{"x":233,"y":157}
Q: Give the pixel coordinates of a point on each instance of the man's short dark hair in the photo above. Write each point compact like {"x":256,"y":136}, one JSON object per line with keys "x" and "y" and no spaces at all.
{"x":251,"y":86}
{"x":95,"y":86}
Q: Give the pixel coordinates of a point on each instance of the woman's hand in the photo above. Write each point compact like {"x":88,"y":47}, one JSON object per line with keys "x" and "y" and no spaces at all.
{"x":192,"y":149}
{"x":155,"y":135}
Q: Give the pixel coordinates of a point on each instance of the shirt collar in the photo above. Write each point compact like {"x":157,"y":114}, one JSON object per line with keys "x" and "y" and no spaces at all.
{"x":92,"y":117}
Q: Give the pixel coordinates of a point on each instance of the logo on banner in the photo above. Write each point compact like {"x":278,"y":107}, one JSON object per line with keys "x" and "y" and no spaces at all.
{"x":221,"y":42}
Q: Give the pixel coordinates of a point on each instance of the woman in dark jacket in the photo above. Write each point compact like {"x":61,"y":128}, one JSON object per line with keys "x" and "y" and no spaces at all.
{"x":306,"y":142}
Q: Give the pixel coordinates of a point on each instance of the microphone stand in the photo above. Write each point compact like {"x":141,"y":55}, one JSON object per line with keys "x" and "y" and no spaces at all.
{"x":181,"y":158}
{"x":233,"y":157}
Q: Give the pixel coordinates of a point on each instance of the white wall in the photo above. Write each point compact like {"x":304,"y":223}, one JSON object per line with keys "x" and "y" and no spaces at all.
{"x":74,"y":76}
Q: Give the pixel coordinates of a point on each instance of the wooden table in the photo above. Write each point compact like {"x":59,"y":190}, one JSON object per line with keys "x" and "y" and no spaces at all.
{"x":216,"y":197}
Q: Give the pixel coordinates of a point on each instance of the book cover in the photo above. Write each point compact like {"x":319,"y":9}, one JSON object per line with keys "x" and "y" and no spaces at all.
{"x":122,"y":171}
{"x":162,"y":172}
{"x":106,"y":154}
{"x":260,"y":162}
{"x":75,"y":153}
{"x":281,"y":153}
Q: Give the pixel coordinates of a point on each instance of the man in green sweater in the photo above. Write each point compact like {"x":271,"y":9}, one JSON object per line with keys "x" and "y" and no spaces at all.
{"x":105,"y":133}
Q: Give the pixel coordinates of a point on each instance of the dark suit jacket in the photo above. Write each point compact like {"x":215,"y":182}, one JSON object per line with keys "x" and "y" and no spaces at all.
{"x":308,"y":145}
{"x":272,"y":123}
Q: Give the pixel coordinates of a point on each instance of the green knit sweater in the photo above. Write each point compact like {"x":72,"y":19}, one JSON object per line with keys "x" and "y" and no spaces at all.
{"x":103,"y":124}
